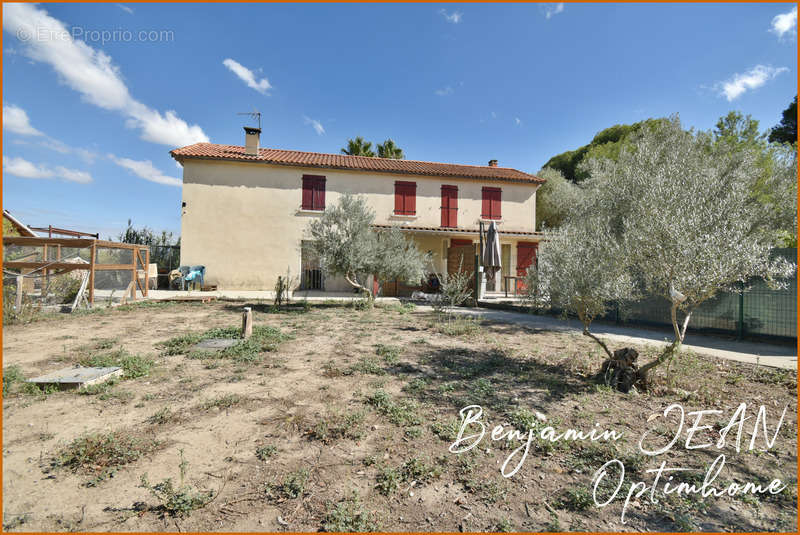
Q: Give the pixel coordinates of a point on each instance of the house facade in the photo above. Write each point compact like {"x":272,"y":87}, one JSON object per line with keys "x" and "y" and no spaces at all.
{"x":246,"y":210}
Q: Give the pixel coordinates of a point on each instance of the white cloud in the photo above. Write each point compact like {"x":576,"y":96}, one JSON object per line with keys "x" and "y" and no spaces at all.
{"x":785,"y":22}
{"x":517,"y":121}
{"x":739,"y":83}
{"x":444,"y":92}
{"x":62,"y":148}
{"x":494,"y":115}
{"x":318,"y":128}
{"x":91,"y":73}
{"x":247,"y":76}
{"x":552,"y":8}
{"x":453,"y":18}
{"x":25,"y":169}
{"x":146,"y":170}
{"x":125,"y":8}
{"x":15,"y":120}
{"x":74,"y":175}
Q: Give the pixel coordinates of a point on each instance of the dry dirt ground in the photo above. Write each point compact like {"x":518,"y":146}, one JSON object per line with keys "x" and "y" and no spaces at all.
{"x":337,"y":418}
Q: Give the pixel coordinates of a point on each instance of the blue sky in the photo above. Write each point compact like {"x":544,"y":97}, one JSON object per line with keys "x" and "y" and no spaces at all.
{"x":89,"y":118}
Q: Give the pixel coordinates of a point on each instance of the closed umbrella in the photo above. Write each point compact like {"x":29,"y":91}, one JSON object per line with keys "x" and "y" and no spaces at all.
{"x":491,"y":252}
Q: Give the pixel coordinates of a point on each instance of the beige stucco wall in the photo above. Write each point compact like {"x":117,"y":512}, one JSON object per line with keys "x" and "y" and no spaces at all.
{"x":244,"y":223}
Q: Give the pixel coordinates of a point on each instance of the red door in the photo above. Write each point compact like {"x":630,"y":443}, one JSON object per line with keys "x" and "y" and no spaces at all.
{"x":526,"y":257}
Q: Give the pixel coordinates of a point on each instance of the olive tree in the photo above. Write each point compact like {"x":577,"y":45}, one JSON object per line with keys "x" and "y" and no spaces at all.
{"x":554,"y":198}
{"x":680,"y":221}
{"x":347,"y":245}
{"x":582,"y":280}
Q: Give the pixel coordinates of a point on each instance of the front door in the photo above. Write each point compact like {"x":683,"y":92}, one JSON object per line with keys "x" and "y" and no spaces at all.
{"x":461,"y":257}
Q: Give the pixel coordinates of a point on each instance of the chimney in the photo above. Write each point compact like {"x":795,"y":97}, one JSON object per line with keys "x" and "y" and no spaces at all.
{"x":251,"y":136}
{"x":492,"y":163}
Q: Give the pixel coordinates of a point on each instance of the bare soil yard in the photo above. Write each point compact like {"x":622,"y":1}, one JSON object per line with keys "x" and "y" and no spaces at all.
{"x":336,"y":418}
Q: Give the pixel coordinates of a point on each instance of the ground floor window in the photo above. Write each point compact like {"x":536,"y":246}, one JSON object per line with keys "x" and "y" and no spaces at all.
{"x":312,"y":275}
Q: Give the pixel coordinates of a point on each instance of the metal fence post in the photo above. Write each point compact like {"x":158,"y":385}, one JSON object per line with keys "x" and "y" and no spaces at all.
{"x":477,"y":288}
{"x":740,"y":321}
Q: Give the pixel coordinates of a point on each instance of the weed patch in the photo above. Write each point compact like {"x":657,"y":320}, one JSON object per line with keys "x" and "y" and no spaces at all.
{"x":102,"y":454}
{"x":338,"y":425}
{"x":348,"y":516}
{"x":402,"y":413}
{"x":133,"y":366}
{"x":265,"y":452}
{"x":292,"y":486}
{"x":177,"y":500}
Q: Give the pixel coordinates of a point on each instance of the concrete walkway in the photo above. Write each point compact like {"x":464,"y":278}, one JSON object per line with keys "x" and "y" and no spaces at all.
{"x":778,"y":356}
{"x":312,"y":296}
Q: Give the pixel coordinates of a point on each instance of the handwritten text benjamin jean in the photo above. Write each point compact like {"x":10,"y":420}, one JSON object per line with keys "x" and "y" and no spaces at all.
{"x":472,"y":431}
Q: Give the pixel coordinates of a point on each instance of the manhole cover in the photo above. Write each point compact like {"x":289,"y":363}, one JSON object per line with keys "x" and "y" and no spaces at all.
{"x":216,"y":344}
{"x":78,"y":377}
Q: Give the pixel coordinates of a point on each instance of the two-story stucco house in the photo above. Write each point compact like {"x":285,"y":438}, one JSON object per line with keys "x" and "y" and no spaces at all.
{"x":246,"y":210}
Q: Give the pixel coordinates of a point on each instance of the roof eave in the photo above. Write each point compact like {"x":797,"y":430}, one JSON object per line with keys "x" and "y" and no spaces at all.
{"x":181,"y":157}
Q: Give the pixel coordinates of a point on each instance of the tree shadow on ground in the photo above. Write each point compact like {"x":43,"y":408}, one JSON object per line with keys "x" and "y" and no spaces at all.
{"x":457,"y":377}
{"x":269,"y":308}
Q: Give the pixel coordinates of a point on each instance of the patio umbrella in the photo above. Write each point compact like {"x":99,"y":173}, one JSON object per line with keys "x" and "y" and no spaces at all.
{"x":491,"y":251}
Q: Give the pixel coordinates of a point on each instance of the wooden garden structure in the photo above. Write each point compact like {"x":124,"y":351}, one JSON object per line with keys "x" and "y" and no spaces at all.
{"x":48,"y":256}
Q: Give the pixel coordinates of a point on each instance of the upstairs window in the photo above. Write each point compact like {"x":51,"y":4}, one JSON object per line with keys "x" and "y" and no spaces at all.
{"x":313,"y":192}
{"x":450,"y":206}
{"x":405,"y":198}
{"x":490,"y":208}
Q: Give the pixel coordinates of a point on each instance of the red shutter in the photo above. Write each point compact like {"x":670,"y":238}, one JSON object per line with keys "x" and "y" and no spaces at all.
{"x":449,"y":206}
{"x":490,"y":208}
{"x":411,"y":199}
{"x":319,"y":194}
{"x":398,"y":198}
{"x":313,"y":192}
{"x":405,"y":198}
{"x":308,"y":185}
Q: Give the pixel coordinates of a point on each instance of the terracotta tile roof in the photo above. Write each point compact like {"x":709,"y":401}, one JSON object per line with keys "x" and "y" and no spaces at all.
{"x":447,"y":230}
{"x":213,"y":151}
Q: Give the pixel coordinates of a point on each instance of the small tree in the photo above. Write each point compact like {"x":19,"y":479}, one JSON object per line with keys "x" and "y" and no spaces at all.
{"x":581,"y":270}
{"x":454,"y":290}
{"x":677,"y":213}
{"x":346,"y":243}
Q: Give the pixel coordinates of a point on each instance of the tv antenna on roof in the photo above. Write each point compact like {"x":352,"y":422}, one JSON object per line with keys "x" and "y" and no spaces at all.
{"x":255,"y":114}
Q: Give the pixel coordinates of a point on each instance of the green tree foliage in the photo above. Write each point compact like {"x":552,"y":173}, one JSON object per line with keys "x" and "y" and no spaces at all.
{"x":786,"y":131}
{"x":159,"y":253}
{"x":774,"y":186}
{"x":388,"y":149}
{"x":605,"y":144}
{"x":554,"y":198}
{"x":359,"y":147}
{"x":673,"y":216}
{"x":347,"y":245}
{"x":9,"y":229}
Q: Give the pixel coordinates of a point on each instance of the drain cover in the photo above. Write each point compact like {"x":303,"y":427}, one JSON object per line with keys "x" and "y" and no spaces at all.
{"x":216,"y":344}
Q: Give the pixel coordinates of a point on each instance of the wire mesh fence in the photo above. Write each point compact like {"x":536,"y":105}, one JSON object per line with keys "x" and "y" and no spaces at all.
{"x":760,"y":312}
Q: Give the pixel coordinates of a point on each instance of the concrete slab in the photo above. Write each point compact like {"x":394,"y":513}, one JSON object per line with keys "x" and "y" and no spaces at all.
{"x":78,"y":377}
{"x":215,"y":344}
